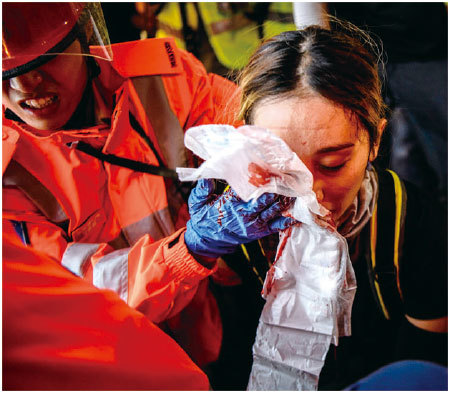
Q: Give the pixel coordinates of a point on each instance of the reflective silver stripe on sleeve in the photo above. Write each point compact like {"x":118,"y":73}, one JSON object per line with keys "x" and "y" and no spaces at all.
{"x":77,"y":255}
{"x":158,"y":225}
{"x":111,"y":272}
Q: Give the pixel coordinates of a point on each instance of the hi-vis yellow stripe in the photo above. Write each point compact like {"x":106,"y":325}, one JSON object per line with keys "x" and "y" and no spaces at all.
{"x":373,"y":257}
{"x":398,"y":213}
{"x":244,"y":250}
{"x":373,"y":239}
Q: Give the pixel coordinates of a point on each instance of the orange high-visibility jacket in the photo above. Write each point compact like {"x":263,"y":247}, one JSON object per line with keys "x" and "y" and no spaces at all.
{"x":112,"y":225}
{"x":61,"y":333}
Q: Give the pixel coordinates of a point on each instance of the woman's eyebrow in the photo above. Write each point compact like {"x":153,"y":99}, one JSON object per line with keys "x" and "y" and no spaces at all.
{"x":335,"y":148}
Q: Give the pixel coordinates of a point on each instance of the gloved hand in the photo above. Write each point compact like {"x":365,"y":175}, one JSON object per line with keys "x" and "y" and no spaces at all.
{"x":220,"y":223}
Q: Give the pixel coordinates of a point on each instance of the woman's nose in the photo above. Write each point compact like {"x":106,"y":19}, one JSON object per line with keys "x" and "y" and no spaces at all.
{"x":318,"y":189}
{"x":26,"y":83}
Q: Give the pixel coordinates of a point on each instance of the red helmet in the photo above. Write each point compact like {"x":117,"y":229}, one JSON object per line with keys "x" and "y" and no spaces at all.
{"x":34,"y":32}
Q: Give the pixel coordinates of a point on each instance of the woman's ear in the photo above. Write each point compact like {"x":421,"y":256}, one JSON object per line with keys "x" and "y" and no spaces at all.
{"x":380,"y":129}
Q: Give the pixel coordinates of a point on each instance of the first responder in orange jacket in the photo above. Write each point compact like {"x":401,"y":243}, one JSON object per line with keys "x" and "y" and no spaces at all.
{"x":62,"y":333}
{"x":118,"y":228}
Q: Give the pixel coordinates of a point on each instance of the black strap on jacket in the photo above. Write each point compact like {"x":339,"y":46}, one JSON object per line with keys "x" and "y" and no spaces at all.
{"x":386,"y":239}
{"x":134,"y":165}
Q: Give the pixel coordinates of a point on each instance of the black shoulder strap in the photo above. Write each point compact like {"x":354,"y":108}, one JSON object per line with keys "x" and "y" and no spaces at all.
{"x":189,"y":34}
{"x":386,"y":239}
{"x":17,"y":176}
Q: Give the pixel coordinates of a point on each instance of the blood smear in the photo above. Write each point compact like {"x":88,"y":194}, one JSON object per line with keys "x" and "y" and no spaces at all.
{"x":286,"y":236}
{"x":259,"y":176}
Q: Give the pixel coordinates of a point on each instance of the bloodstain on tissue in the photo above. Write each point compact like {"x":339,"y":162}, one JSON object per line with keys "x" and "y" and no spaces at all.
{"x":259,"y":176}
{"x":270,"y":274}
{"x":269,"y":281}
{"x":285,"y":236}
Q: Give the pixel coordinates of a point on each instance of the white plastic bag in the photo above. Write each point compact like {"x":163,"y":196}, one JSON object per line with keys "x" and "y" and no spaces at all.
{"x":310,"y":288}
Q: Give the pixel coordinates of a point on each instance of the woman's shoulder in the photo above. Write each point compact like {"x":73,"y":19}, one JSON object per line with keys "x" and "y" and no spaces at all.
{"x":424,"y":208}
{"x":411,"y":243}
{"x":419,"y":207}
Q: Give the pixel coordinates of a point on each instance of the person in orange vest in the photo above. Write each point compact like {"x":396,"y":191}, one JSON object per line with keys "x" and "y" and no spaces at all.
{"x":83,"y":338}
{"x":91,"y":136}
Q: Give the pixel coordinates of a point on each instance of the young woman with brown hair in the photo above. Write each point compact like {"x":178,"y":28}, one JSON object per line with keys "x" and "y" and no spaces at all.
{"x":320,"y":90}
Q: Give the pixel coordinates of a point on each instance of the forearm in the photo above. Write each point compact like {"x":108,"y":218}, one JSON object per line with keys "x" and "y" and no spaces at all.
{"x":158,"y":278}
{"x":164,"y":276}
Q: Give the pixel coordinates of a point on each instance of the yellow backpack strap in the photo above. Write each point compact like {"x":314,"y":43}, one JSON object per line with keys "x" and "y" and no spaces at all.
{"x":386,"y":240}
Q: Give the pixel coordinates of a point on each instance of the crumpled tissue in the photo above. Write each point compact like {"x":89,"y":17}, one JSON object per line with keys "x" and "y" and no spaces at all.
{"x":310,"y":288}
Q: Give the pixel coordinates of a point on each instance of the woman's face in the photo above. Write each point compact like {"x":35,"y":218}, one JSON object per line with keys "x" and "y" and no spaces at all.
{"x":46,"y":97}
{"x":326,"y":140}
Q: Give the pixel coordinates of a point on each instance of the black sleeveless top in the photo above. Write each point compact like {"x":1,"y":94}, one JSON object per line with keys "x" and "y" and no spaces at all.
{"x":375,"y":341}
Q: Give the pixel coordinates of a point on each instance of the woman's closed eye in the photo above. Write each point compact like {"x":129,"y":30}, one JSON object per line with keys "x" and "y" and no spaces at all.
{"x":331,"y":167}
{"x":334,"y":158}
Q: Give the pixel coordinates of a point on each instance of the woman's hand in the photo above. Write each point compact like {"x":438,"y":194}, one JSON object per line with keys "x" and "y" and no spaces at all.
{"x":220,"y":223}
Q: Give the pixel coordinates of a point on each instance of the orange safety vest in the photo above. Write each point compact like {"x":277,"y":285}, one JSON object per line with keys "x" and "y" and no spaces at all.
{"x":111,"y":225}
{"x":61,"y":333}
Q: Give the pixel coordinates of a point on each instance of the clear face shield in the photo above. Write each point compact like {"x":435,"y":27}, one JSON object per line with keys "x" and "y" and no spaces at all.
{"x":34,"y":33}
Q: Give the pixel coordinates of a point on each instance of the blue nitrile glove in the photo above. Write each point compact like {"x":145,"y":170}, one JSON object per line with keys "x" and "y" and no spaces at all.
{"x":220,"y":223}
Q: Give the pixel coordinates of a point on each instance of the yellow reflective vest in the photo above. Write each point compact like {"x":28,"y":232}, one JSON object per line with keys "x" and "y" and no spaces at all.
{"x":232,"y":34}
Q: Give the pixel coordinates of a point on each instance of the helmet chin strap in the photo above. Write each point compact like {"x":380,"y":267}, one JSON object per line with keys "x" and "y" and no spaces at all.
{"x":84,"y":113}
{"x":93,"y":68}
